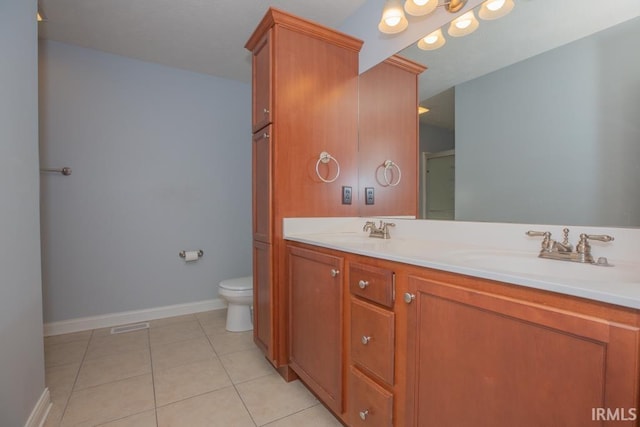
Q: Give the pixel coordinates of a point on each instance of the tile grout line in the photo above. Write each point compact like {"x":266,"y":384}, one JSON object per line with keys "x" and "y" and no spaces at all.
{"x":228,"y":375}
{"x":75,"y":380}
{"x":153,"y":377}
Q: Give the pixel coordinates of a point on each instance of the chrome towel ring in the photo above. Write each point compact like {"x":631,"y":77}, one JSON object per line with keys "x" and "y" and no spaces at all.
{"x":388,"y":164}
{"x":326,"y":158}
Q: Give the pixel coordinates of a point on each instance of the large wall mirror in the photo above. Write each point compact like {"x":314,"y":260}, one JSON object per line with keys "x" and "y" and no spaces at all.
{"x":535,"y":117}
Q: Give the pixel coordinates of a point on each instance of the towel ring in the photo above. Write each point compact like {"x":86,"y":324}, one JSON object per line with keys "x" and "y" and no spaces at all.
{"x":326,"y":158}
{"x":388,"y":164}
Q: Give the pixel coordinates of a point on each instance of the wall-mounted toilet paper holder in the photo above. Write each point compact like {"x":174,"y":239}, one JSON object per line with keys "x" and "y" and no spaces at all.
{"x":183,"y":254}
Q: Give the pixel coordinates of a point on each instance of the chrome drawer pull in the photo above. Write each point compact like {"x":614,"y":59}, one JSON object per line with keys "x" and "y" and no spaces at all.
{"x":363,"y":414}
{"x":334,"y":272}
{"x":265,"y":111}
{"x":365,"y":340}
{"x":409,"y":297}
{"x":363,"y":284}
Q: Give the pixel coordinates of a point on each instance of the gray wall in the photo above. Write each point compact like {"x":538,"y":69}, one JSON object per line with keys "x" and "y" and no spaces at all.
{"x":434,"y":139}
{"x":554,"y":139}
{"x":161,"y":162}
{"x":21,"y":348}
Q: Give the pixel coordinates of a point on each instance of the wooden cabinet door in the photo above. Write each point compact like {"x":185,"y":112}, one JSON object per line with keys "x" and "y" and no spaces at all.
{"x":262,"y":298}
{"x":479,"y":359}
{"x":262,"y":84}
{"x":315,"y":332}
{"x":261,"y":185}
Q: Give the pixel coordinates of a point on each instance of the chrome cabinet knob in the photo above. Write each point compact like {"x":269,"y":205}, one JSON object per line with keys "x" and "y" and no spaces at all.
{"x":363,"y":414}
{"x":363,"y":284}
{"x":334,"y":272}
{"x":408,"y":298}
{"x":265,"y":111}
{"x":365,"y":340}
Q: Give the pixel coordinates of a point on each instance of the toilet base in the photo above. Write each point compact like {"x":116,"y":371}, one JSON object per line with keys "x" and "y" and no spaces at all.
{"x":239,"y":318}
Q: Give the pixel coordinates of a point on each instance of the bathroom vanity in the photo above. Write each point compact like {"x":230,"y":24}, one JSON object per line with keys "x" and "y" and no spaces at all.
{"x":425,"y":330}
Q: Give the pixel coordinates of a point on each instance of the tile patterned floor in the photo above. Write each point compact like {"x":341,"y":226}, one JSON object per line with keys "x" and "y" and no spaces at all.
{"x":182,"y":371}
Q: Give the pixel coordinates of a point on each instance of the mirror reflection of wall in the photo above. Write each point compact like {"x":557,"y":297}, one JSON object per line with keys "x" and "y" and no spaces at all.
{"x":551,"y":139}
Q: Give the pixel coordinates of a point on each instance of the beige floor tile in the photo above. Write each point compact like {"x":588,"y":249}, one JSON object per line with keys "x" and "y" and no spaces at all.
{"x":190,"y":380}
{"x":109,"y":402}
{"x":221,"y":408}
{"x":60,"y":339}
{"x":64,"y":353}
{"x":175,"y":332}
{"x":214,"y":318}
{"x":181,"y":353}
{"x":171,"y":320}
{"x":94,"y":372}
{"x":111,"y":345}
{"x":316,"y":416}
{"x":270,"y":398}
{"x":145,"y":419}
{"x":59,"y":380}
{"x":246,"y":365}
{"x":231,"y":342}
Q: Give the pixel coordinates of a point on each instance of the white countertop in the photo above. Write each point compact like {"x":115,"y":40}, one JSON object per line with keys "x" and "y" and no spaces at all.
{"x":492,"y":251}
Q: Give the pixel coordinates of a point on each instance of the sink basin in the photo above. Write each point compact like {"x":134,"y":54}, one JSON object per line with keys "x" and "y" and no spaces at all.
{"x":528,"y":264}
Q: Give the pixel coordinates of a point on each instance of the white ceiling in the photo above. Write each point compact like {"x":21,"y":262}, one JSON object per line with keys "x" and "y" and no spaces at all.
{"x":205,"y":36}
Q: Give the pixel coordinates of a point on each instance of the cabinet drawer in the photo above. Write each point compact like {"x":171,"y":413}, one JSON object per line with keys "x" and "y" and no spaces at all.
{"x":369,"y":403}
{"x":373,"y":283}
{"x":372,"y":339}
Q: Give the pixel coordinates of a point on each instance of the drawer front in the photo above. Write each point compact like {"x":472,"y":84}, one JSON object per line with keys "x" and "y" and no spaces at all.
{"x":369,"y":403}
{"x":372,"y":339}
{"x":373,"y":283}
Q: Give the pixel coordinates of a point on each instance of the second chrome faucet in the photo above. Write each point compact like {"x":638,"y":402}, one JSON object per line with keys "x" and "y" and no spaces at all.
{"x":381,"y":232}
{"x":552,"y":249}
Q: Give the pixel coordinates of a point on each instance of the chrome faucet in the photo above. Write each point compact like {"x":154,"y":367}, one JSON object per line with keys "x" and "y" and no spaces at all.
{"x":552,"y":249}
{"x":381,"y":232}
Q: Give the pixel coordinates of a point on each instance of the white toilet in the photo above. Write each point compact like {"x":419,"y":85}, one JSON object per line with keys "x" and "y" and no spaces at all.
{"x":238,"y":293}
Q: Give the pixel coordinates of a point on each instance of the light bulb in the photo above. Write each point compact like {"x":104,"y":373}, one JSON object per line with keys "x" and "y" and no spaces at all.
{"x":430,"y":39}
{"x":420,"y":2}
{"x":463,"y":23}
{"x":495,"y":5}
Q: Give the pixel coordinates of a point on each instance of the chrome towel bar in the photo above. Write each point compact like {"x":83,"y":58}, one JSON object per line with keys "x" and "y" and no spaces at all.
{"x":64,"y":171}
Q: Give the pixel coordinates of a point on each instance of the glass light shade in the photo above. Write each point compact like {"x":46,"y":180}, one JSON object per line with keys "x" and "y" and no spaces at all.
{"x":463,"y":25}
{"x":420,"y":7}
{"x":494,"y":9}
{"x":432,"y":41}
{"x":393,"y":20}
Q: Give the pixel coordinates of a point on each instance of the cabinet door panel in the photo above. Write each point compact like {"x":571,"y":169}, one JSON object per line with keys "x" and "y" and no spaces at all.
{"x":262,"y":84}
{"x":262,"y":297}
{"x":478,"y":359}
{"x":315,"y":307}
{"x":261,"y":185}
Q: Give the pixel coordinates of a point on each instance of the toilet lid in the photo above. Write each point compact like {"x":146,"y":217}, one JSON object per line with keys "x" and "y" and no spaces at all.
{"x":238,"y":284}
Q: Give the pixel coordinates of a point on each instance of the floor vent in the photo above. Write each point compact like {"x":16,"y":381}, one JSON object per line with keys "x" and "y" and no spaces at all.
{"x":130,"y":328}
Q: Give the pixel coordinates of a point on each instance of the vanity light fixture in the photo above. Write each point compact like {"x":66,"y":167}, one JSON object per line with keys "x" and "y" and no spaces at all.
{"x":432,"y":41}
{"x":494,"y":9}
{"x":393,"y":20}
{"x":463,"y":25}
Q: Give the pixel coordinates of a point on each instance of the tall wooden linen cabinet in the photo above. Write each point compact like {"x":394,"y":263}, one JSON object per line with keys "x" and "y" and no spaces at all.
{"x":305,"y":102}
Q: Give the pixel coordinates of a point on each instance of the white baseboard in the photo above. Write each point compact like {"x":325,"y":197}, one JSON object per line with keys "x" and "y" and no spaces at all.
{"x":124,"y":317}
{"x":40,"y":411}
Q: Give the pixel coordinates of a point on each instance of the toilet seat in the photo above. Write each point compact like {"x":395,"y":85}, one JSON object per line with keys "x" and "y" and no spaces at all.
{"x":237,"y":284}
